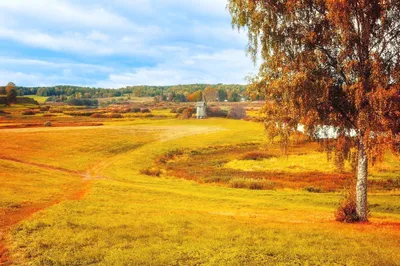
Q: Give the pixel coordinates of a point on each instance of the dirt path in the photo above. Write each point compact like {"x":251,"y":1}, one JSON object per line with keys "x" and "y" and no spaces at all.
{"x":11,"y":217}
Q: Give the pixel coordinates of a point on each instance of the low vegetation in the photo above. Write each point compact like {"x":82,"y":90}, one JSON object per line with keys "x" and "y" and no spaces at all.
{"x":208,"y":191}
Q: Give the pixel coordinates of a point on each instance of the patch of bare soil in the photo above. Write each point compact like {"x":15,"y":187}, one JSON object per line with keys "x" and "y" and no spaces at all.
{"x":9,"y":217}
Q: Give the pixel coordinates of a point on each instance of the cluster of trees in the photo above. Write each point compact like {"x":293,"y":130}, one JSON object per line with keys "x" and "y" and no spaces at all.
{"x":82,"y":102}
{"x":185,"y":93}
{"x":209,"y":94}
{"x":178,"y":93}
{"x":11,"y":93}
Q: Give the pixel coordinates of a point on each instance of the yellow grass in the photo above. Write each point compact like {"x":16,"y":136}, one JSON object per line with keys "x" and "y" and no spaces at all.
{"x":129,"y":218}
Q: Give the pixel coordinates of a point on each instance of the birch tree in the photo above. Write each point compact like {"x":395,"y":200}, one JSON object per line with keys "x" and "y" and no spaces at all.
{"x":328,"y":62}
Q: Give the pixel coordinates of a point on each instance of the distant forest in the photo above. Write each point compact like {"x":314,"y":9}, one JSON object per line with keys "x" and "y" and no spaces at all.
{"x":178,"y":93}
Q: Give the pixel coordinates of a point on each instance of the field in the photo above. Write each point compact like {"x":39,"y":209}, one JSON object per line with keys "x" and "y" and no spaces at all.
{"x":140,"y":190}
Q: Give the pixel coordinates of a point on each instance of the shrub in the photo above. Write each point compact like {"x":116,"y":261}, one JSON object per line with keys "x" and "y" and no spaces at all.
{"x":180,"y":110}
{"x":145,"y":110}
{"x":248,"y":183}
{"x":216,"y":112}
{"x":256,"y":155}
{"x":97,"y":115}
{"x":188,"y":113}
{"x":101,"y":115}
{"x":237,"y":112}
{"x":217,"y":179}
{"x":44,"y":108}
{"x":2,"y":112}
{"x":313,"y":189}
{"x":56,"y":111}
{"x":79,"y":113}
{"x":151,"y":171}
{"x":169,"y":156}
{"x":28,"y":112}
{"x":347,"y":209}
{"x":48,"y":124}
{"x":136,"y":110}
{"x":173,"y":111}
{"x":82,"y":102}
{"x":114,"y":115}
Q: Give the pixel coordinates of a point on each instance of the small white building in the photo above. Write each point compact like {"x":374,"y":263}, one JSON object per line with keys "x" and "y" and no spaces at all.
{"x":201,"y":110}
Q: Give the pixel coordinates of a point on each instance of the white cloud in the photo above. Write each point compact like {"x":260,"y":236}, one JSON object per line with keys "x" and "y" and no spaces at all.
{"x":62,"y":12}
{"x":188,"y":41}
{"x":98,"y":36}
{"x":228,"y":66}
{"x":18,"y":62}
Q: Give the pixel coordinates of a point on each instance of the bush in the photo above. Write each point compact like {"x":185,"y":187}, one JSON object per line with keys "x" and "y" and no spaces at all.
{"x":180,"y":110}
{"x":173,"y":111}
{"x":188,"y":113}
{"x":216,"y":112}
{"x":136,"y":110}
{"x":28,"y":112}
{"x":251,"y":183}
{"x":79,"y":113}
{"x":237,"y":112}
{"x":151,"y":171}
{"x":170,"y":155}
{"x":114,"y":115}
{"x":347,"y":209}
{"x":2,"y":112}
{"x":256,"y":155}
{"x":48,"y":124}
{"x":82,"y":102}
{"x":44,"y":108}
{"x":97,"y":115}
{"x":101,"y":115}
{"x":313,"y":190}
{"x":145,"y":110}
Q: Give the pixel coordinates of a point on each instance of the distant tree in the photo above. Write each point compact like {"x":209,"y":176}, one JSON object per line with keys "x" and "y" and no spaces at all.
{"x":222,"y":95}
{"x":11,"y":92}
{"x":237,"y":112}
{"x":170,"y":97}
{"x":195,"y":96}
{"x":327,"y":62}
{"x":179,"y":98}
{"x":210,"y":94}
{"x":2,"y":90}
{"x":234,"y":97}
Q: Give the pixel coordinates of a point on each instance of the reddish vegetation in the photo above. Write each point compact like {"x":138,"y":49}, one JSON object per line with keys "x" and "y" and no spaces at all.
{"x":208,"y":169}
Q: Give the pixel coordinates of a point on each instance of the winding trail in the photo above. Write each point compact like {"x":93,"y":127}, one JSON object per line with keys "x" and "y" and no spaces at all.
{"x":13,"y":216}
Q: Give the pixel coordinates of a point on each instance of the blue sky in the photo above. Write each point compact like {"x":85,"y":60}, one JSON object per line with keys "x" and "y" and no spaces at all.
{"x":115,"y":43}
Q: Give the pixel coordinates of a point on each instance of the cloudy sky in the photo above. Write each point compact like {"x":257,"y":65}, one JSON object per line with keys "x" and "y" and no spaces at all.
{"x":114,"y":43}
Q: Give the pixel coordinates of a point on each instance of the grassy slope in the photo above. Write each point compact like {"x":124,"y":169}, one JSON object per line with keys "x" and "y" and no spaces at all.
{"x":132,"y":218}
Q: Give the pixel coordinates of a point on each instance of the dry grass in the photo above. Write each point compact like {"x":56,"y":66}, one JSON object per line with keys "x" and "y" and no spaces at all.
{"x":126,"y":217}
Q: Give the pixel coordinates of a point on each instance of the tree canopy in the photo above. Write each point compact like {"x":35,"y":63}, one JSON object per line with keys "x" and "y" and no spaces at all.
{"x":328,"y":62}
{"x":11,"y":93}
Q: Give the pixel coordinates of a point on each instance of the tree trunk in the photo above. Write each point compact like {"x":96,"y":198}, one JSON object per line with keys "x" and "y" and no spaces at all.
{"x":361,"y":187}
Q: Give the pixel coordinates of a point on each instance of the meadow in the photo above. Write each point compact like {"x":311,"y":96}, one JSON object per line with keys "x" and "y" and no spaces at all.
{"x":140,"y":190}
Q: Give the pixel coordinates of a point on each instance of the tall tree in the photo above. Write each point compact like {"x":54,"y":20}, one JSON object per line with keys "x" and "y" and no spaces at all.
{"x":222,"y":95}
{"x":11,"y":92}
{"x":210,"y":94}
{"x":328,"y":62}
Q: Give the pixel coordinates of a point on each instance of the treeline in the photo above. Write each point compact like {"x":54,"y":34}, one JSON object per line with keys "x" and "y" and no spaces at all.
{"x":177,"y":93}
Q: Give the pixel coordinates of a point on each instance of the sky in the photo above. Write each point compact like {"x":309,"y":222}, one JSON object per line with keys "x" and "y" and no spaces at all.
{"x":117,"y":43}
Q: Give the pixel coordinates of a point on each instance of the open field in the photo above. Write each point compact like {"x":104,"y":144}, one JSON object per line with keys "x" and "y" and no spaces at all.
{"x":76,"y":195}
